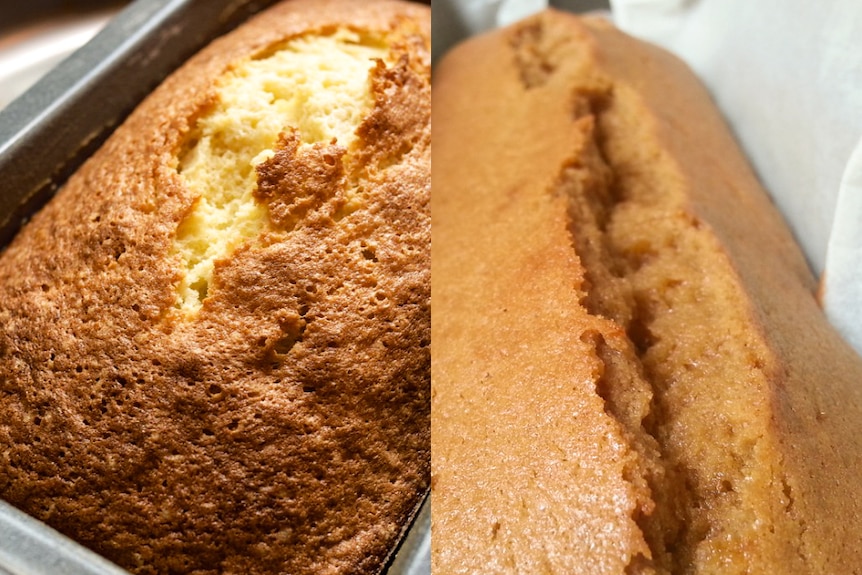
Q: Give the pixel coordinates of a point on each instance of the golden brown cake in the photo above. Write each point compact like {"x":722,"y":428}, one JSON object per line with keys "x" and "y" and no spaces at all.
{"x":215,"y":354}
{"x":630,"y":374}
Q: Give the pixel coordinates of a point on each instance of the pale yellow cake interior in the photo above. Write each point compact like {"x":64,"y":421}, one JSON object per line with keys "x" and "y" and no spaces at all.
{"x":318,"y":85}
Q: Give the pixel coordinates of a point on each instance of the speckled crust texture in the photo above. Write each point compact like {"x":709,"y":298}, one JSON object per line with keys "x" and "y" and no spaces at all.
{"x":285,"y":429}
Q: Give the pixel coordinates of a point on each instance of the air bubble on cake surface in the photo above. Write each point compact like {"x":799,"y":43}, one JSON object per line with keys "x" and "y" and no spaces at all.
{"x":319,"y":85}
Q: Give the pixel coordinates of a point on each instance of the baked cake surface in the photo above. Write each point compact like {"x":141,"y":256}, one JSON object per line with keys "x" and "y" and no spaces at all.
{"x":630,"y":372}
{"x":215,"y":354}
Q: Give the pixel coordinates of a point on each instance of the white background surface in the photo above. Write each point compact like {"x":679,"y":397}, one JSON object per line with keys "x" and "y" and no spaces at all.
{"x":26,"y":54}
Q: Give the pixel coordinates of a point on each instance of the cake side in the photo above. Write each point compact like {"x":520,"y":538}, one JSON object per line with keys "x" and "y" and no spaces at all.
{"x":808,"y":375}
{"x":278,"y":417}
{"x":714,"y":389}
{"x":531,"y":471}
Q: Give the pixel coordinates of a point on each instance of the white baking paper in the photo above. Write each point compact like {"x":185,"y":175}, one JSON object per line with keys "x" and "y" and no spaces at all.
{"x":787,"y":74}
{"x":842,"y":282}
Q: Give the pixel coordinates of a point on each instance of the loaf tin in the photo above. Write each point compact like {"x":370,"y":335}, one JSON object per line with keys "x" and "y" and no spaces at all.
{"x":45,"y":135}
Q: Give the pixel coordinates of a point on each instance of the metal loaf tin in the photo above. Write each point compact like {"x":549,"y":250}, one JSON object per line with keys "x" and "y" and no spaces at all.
{"x":45,"y":135}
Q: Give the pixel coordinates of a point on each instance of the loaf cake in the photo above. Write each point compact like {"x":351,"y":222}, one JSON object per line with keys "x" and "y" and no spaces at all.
{"x":215,"y":354}
{"x":631,"y":374}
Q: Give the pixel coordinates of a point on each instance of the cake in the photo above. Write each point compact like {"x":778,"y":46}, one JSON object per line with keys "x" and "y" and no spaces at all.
{"x":215,"y":354}
{"x":631,"y":374}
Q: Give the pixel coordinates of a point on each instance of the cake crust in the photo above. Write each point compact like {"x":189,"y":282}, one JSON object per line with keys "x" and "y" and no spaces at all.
{"x":630,"y":374}
{"x":284,"y":426}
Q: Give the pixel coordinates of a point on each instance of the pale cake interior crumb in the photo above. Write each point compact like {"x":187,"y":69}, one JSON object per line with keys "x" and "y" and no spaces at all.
{"x":317,"y":84}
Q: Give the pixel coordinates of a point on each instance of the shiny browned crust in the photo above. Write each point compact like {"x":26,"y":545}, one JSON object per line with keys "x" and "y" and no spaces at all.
{"x":631,"y":374}
{"x":286,"y":428}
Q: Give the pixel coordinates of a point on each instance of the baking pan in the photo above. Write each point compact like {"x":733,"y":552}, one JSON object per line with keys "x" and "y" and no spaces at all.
{"x":29,"y":547}
{"x":45,"y":135}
